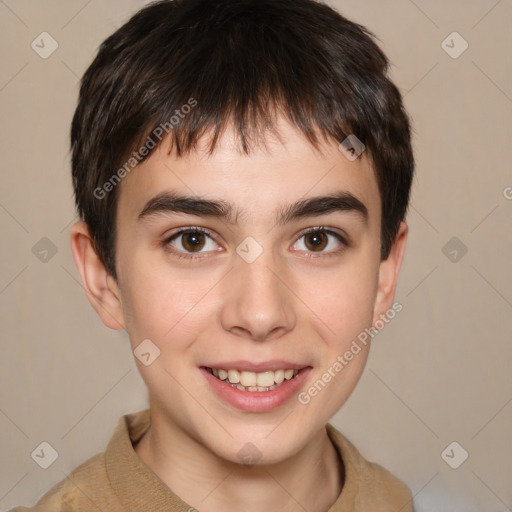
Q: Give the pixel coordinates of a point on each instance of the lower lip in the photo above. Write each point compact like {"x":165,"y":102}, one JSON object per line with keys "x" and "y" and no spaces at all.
{"x":257,"y":401}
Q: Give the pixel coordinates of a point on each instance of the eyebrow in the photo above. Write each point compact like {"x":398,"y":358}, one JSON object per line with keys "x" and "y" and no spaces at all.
{"x":169,"y":202}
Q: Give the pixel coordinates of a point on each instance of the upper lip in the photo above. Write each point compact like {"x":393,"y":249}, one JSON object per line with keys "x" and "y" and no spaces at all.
{"x":249,"y":366}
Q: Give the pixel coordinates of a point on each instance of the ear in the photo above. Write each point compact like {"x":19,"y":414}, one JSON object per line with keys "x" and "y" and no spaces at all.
{"x":388,"y":274}
{"x":100,"y":287}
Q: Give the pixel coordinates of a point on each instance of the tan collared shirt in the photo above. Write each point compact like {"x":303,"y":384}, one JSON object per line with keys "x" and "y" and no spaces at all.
{"x":118,"y":481}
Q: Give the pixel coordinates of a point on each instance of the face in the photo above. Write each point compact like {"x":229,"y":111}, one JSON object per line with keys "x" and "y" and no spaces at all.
{"x":274,"y":291}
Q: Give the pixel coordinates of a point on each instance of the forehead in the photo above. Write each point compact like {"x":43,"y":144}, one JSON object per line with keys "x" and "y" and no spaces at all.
{"x":277,"y":172}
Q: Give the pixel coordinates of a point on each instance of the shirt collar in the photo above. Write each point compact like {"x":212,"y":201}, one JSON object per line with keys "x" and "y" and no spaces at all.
{"x":138,"y":488}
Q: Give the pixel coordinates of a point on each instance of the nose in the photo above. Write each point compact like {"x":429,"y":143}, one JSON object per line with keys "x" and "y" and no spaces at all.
{"x":257,"y":300}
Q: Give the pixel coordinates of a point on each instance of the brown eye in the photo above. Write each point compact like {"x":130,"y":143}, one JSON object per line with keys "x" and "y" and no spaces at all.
{"x":189,"y":241}
{"x":322,"y":241}
{"x":193,"y":241}
{"x":316,"y":241}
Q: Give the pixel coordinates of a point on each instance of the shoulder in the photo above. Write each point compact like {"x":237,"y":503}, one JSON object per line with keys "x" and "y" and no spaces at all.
{"x":90,"y":486}
{"x":369,"y":485}
{"x":81,"y":490}
{"x":394,"y":491}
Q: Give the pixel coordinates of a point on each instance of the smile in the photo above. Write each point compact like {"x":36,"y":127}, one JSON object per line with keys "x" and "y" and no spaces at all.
{"x":256,"y":387}
{"x":254,"y":381}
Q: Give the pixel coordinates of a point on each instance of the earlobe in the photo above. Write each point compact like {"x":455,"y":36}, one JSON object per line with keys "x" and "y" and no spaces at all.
{"x":100,"y":288}
{"x":388,"y":274}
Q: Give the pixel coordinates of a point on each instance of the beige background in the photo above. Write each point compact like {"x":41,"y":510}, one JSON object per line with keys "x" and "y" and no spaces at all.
{"x":440,"y":372}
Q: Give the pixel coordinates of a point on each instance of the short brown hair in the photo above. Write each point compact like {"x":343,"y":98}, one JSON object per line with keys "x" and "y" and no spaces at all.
{"x":239,"y":61}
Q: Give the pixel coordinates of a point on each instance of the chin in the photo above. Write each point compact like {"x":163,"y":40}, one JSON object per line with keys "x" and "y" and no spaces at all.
{"x":258,"y":446}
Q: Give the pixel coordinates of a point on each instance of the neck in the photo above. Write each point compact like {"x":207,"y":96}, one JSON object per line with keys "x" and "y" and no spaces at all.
{"x":310,"y":480}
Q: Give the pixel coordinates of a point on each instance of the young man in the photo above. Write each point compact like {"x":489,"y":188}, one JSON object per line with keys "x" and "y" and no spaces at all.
{"x":242,"y":169}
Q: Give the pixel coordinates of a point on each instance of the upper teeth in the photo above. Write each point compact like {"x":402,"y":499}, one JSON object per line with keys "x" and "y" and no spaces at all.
{"x":251,"y":379}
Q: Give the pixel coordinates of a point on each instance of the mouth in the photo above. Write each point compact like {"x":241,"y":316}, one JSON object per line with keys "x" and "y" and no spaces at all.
{"x":256,"y":387}
{"x":254,"y":382}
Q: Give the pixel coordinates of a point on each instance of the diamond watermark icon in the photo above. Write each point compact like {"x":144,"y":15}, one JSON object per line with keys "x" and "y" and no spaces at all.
{"x":146,"y":352}
{"x":45,"y":455}
{"x":351,"y":147}
{"x":454,"y":455}
{"x":44,"y":250}
{"x":249,"y":250}
{"x":249,"y":454}
{"x":44,"y":45}
{"x":454,"y":249}
{"x":454,"y":45}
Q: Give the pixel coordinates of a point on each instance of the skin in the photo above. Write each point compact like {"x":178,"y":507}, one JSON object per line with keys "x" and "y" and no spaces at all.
{"x":294,"y":302}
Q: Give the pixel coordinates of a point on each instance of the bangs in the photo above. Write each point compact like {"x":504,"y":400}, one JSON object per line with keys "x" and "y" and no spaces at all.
{"x":181,"y":70}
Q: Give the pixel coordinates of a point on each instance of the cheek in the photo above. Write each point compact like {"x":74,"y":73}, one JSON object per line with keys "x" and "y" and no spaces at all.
{"x":162,"y":306}
{"x":342,"y":303}
{"x":343,"y":307}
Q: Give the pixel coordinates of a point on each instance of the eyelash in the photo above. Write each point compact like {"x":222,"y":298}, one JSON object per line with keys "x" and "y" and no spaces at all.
{"x":197,"y":229}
